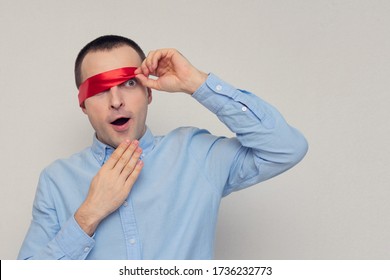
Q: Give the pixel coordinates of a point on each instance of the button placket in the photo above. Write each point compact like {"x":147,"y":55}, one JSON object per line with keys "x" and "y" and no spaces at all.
{"x":130,"y":230}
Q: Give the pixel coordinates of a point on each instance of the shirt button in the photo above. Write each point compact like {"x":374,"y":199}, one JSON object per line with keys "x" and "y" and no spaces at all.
{"x":125,"y":203}
{"x":244,"y":109}
{"x":132,"y":241}
{"x":218,"y":87}
{"x":86,"y":249}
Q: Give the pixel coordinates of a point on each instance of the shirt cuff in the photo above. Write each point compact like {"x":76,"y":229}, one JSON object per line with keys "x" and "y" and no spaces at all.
{"x":75,"y":243}
{"x":221,"y":93}
{"x":223,"y":99}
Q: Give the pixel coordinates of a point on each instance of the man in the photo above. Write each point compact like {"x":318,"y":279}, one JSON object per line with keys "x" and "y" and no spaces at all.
{"x":132,"y":195}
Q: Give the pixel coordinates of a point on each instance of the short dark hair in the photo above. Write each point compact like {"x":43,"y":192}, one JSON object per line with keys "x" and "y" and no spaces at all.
{"x":103,"y":43}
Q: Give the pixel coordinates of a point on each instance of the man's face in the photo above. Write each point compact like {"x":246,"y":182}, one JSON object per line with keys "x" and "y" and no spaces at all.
{"x":120,"y":112}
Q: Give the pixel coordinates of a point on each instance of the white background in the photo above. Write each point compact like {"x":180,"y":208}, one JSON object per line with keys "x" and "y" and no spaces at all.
{"x":324,"y":64}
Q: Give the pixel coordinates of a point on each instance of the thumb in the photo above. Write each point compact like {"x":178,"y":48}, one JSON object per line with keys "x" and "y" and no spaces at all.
{"x":147,"y":82}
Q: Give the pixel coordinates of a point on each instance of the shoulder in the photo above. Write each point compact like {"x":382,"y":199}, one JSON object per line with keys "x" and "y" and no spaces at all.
{"x":76,"y":160}
{"x":187,"y":134}
{"x":189,"y":131}
{"x":197,"y":139}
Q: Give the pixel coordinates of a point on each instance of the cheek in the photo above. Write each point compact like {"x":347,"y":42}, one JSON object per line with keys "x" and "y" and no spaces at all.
{"x":95,"y":113}
{"x":95,"y":122}
{"x":143,"y":107}
{"x":137,"y":101}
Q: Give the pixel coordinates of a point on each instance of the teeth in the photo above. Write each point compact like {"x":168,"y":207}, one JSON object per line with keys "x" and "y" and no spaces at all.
{"x":120,"y":121}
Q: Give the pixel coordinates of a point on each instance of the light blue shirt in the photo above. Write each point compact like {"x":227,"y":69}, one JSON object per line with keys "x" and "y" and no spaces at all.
{"x":171,"y":212}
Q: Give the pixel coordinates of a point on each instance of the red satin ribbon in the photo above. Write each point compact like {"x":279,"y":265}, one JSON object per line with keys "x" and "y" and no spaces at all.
{"x":104,"y":81}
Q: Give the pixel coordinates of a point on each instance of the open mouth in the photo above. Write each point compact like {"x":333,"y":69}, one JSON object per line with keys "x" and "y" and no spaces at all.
{"x":120,"y":121}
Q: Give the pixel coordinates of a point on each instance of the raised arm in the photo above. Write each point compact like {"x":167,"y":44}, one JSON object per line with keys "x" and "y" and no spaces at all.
{"x":265,"y":146}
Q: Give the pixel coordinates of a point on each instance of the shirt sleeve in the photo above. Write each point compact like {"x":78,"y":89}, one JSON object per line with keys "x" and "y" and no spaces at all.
{"x":46,"y":239}
{"x":268,"y":145}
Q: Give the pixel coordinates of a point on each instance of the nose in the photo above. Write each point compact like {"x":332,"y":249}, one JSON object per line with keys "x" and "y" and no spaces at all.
{"x":116,"y":100}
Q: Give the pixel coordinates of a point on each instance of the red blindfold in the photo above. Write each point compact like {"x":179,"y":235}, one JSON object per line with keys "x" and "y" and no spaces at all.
{"x":104,"y":81}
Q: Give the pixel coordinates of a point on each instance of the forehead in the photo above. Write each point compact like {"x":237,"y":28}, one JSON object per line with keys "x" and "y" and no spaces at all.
{"x":101,"y":61}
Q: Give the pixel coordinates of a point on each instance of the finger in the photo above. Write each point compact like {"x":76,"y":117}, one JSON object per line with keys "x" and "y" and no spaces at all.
{"x":124,"y":159}
{"x":129,"y":167}
{"x":148,"y":82}
{"x":149,"y":61}
{"x":134,"y":175}
{"x":143,"y":68}
{"x":138,"y":70}
{"x":154,"y":60}
{"x":116,"y":155}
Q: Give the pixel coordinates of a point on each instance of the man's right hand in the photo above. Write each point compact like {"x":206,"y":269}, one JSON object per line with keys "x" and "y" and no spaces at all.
{"x":111,"y":186}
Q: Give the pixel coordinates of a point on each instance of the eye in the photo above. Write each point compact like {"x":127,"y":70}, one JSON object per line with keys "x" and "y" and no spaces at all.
{"x":130,"y":83}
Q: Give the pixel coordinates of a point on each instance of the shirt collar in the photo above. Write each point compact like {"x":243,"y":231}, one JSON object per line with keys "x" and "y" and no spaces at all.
{"x":102,"y":151}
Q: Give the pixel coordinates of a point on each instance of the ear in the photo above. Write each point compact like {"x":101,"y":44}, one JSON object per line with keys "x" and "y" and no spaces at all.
{"x":149,"y":92}
{"x":84,"y":110}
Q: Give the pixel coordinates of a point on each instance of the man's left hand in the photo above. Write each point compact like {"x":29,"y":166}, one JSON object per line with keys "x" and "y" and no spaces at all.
{"x":173,"y":71}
